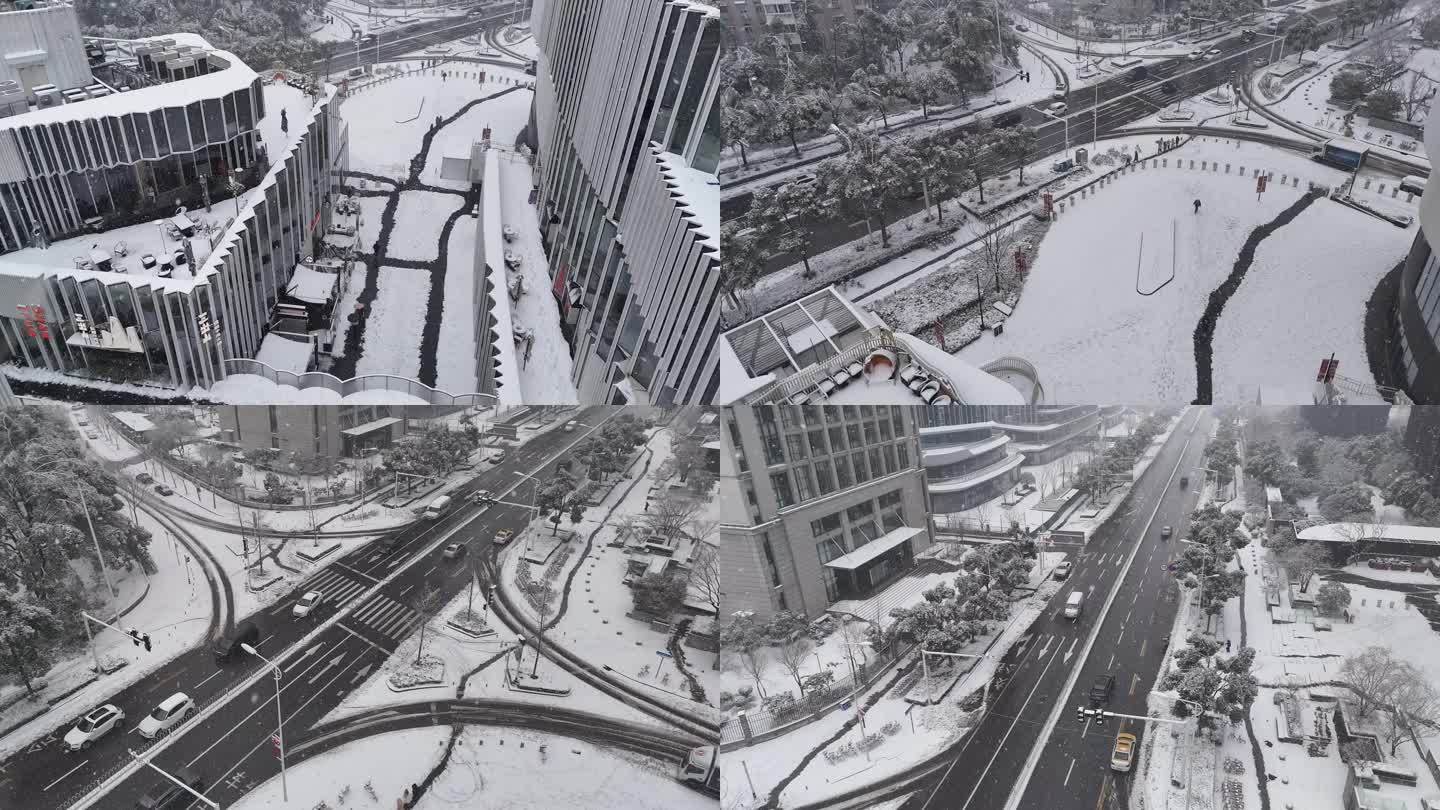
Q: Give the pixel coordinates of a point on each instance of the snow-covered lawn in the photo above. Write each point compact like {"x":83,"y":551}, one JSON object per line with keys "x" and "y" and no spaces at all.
{"x":388,"y":120}
{"x":392,"y":332}
{"x":1080,"y":314}
{"x":455,"y":356}
{"x":1301,"y":303}
{"x":371,"y":208}
{"x":419,"y":220}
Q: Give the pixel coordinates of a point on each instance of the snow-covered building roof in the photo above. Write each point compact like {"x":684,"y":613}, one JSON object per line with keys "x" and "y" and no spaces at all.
{"x":285,"y":352}
{"x":698,"y":195}
{"x":311,"y":285}
{"x":1352,"y":532}
{"x":823,"y":348}
{"x":138,"y":422}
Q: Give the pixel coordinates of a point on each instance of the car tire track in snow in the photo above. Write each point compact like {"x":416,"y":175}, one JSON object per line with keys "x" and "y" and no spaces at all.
{"x":1220,"y":296}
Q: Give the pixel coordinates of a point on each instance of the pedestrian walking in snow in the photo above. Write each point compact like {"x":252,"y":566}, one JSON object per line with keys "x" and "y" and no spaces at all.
{"x":1227,"y":645}
{"x":1197,"y":206}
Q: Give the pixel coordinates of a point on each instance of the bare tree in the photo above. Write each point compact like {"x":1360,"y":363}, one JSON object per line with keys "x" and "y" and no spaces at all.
{"x":1303,"y":560}
{"x":855,"y":636}
{"x":1360,"y":535}
{"x":1414,"y":708}
{"x":1373,"y":675}
{"x":669,"y":516}
{"x":426,"y":603}
{"x":1416,"y":91}
{"x":705,"y":574}
{"x":793,"y":652}
{"x":995,"y":247}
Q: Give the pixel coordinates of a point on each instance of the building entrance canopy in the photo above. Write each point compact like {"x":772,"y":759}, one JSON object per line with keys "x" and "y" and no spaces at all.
{"x":874,"y":549}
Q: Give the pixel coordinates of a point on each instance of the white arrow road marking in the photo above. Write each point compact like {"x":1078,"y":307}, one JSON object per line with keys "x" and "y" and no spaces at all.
{"x":333,"y":662}
{"x":1071,"y":651}
{"x":1045,"y":648}
{"x":362,"y":673}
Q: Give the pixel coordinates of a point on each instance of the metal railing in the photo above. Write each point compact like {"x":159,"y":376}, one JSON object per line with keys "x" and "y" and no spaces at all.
{"x":356,"y":385}
{"x":1021,"y":367}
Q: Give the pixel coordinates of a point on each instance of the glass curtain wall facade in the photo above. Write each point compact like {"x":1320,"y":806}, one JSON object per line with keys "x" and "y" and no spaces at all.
{"x":627,"y":150}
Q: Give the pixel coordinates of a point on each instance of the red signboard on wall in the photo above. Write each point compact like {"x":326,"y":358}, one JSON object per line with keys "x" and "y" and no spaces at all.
{"x":558,"y":288}
{"x":35,"y":325}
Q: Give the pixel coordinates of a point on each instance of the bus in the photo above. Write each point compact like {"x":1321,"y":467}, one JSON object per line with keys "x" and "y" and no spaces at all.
{"x":1342,"y":153}
{"x":701,"y":770}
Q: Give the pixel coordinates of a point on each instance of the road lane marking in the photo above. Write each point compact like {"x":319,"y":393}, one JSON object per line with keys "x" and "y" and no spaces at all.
{"x":1134,"y":681}
{"x":430,"y":570}
{"x":67,"y":773}
{"x":207,"y":680}
{"x":362,"y":638}
{"x":1040,"y":681}
{"x":1143,"y":642}
{"x":1066,"y":783}
{"x":1111,"y":665}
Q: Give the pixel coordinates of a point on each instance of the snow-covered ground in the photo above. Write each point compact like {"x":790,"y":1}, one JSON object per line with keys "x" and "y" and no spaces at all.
{"x":1082,"y":308}
{"x":392,"y":336}
{"x":489,"y":767}
{"x":543,"y":376}
{"x":596,"y":625}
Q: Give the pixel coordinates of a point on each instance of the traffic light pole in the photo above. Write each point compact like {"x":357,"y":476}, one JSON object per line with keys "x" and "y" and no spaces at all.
{"x":1099,"y":716}
{"x":166,"y":774}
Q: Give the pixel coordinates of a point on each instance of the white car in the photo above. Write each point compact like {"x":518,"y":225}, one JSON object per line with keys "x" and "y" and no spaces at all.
{"x":1213,"y":52}
{"x":90,"y":434}
{"x":93,"y":726}
{"x":1200,"y":54}
{"x":169,"y":714}
{"x":306,"y":604}
{"x":1057,"y":108}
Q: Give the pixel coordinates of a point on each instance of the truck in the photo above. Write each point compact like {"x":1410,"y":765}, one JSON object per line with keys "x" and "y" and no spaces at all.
{"x":1342,"y":153}
{"x":701,"y":770}
{"x":438,"y":507}
{"x":227,"y":647}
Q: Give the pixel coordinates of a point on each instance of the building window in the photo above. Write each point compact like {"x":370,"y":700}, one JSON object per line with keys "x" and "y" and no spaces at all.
{"x":795,"y":443}
{"x":770,"y":436}
{"x":862,"y":533}
{"x":824,"y":477}
{"x":885,"y":434}
{"x":837,"y":440}
{"x":852,"y":432}
{"x":787,"y":416}
{"x":889,"y":451}
{"x":820,"y":527}
{"x":780,"y":481}
{"x":849,"y":411}
{"x":875,"y":465}
{"x":842,"y":473}
{"x":903,"y":451}
{"x":817,"y":442}
{"x":860,"y":511}
{"x":804,"y":484}
{"x":857,"y":461}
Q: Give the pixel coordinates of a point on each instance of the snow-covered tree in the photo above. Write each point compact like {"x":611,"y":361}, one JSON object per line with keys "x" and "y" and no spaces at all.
{"x":1332,"y":598}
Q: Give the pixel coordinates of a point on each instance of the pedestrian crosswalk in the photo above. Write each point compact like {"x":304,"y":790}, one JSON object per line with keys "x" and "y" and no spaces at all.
{"x":379,"y":613}
{"x":387,"y":617}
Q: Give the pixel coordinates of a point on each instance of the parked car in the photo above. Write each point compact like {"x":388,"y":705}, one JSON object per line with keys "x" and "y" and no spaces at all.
{"x":1167,"y":86}
{"x":169,"y":796}
{"x":99,"y":722}
{"x":1124,"y":754}
{"x":1021,"y":27}
{"x":169,"y":714}
{"x":164,"y":490}
{"x":307,"y":604}
{"x":82,"y":421}
{"x":480,"y":496}
{"x":1062,"y":571}
{"x":1164,"y":532}
{"x":1057,"y":108}
{"x":1196,"y":54}
{"x":145,"y":478}
{"x":454,"y":551}
{"x":90,"y":434}
{"x":1062,"y":166}
{"x":503,"y":536}
{"x":1101,"y":689}
{"x":77,"y":406}
{"x":498,"y":456}
{"x":571,"y":425}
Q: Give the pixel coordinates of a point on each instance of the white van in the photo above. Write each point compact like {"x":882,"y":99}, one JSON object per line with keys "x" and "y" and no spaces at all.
{"x":1074,"y":604}
{"x":438,"y":507}
{"x":1412,"y":185}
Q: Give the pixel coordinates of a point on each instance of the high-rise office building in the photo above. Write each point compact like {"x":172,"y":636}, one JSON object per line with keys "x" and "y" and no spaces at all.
{"x":626,"y":131}
{"x":821,"y":504}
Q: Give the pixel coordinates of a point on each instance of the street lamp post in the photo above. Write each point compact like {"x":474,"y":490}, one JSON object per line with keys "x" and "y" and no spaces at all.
{"x":1064,"y":121}
{"x":279,"y":718}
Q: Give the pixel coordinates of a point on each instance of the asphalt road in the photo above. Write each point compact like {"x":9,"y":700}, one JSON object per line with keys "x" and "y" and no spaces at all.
{"x":1094,"y":113}
{"x":231,"y":748}
{"x":990,"y":759}
{"x":411,"y":38}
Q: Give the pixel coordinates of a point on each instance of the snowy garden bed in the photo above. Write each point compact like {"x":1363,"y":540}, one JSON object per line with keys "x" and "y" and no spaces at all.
{"x":428,"y":671}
